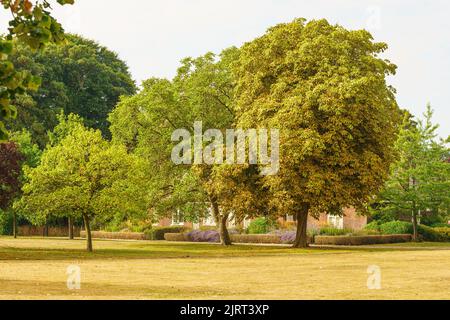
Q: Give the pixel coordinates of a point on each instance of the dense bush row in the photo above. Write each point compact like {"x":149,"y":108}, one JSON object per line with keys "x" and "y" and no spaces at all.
{"x":212,"y":236}
{"x":256,"y":238}
{"x":362,"y":240}
{"x":176,"y":237}
{"x":115,"y":235}
{"x":401,"y":227}
{"x":374,"y":233}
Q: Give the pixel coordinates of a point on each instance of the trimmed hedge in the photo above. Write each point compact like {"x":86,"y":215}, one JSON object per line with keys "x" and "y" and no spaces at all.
{"x":332,"y":231}
{"x":213,"y":237}
{"x":362,"y":240}
{"x":256,"y":238}
{"x":445,"y":231}
{"x":180,"y":237}
{"x":157,"y":233}
{"x":401,"y":227}
{"x":115,"y":235}
{"x":432,"y":235}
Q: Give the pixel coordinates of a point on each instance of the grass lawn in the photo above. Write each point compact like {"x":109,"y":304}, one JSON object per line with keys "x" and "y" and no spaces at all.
{"x":36,"y":269}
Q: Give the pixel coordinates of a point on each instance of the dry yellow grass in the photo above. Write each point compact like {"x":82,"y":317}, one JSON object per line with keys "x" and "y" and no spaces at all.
{"x":36,"y":269}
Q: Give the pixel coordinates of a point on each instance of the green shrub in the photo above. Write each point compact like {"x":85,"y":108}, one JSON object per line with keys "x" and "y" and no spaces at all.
{"x":425,"y":233}
{"x":260,"y":226}
{"x":373,"y":226}
{"x":432,"y":235}
{"x":332,"y":231}
{"x":444,"y":231}
{"x":396,"y":227}
{"x":5,"y":223}
{"x":441,"y":225}
{"x":366,"y":233}
{"x":157,"y":233}
{"x":313,"y":232}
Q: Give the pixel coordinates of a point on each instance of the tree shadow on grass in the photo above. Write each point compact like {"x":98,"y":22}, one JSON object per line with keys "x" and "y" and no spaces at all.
{"x":143,"y":250}
{"x":50,"y":289}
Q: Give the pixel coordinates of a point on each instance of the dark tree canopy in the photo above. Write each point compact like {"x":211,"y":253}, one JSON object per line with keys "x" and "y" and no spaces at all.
{"x":80,"y":77}
{"x":10,"y":169}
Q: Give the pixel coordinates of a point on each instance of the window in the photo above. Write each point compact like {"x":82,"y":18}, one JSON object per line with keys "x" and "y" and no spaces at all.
{"x":336,"y":221}
{"x":177,"y":218}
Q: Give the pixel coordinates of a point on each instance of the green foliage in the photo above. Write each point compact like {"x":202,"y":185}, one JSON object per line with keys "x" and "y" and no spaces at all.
{"x":33,"y":25}
{"x":373,"y":226}
{"x":332,"y":231}
{"x":382,"y":216}
{"x":144,"y":123}
{"x":441,"y":225}
{"x":29,"y":150}
{"x":444,"y":231}
{"x":66,"y":125}
{"x":157,"y":233}
{"x":79,"y":76}
{"x":432,"y":235}
{"x":6,"y":222}
{"x":124,"y":223}
{"x":260,"y":226}
{"x":396,"y":227}
{"x":401,"y":227}
{"x":420,"y":178}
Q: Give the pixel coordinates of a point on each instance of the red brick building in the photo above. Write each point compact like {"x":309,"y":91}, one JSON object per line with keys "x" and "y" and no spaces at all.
{"x":351,"y":220}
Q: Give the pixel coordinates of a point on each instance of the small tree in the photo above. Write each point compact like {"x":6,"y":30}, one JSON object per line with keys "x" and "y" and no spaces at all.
{"x":420,"y":178}
{"x":83,"y":176}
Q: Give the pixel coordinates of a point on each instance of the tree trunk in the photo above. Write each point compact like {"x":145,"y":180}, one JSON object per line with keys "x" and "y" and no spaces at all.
{"x":221,"y":221}
{"x":70,"y":225}
{"x":14,"y":225}
{"x":415,"y":228}
{"x":87,"y":228}
{"x":301,"y":238}
{"x":225,"y":239}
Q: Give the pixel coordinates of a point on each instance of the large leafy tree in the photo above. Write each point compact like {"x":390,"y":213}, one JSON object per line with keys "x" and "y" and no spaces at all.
{"x":420,"y":178}
{"x":325,"y":88}
{"x":83,"y":176}
{"x":79,"y":76}
{"x":201,"y":91}
{"x":33,"y":25}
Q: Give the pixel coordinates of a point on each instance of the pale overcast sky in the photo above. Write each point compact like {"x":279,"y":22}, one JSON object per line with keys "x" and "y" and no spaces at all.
{"x":153,"y":35}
